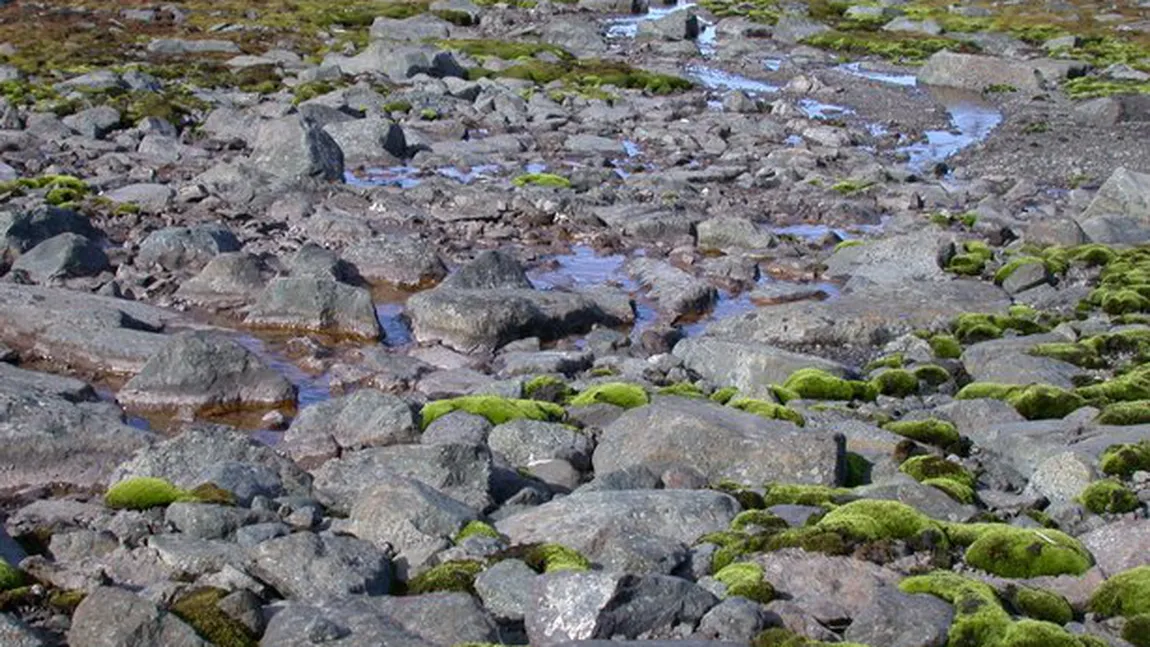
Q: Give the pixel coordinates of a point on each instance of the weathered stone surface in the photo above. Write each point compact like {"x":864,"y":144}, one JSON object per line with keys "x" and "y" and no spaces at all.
{"x":306,"y":566}
{"x":1120,"y":545}
{"x":112,"y":617}
{"x":1120,"y":211}
{"x":901,"y":620}
{"x":527,"y":442}
{"x":727,"y":232}
{"x":752,"y":368}
{"x":151,"y":198}
{"x":404,"y":262}
{"x":977,"y":72}
{"x":1062,"y":477}
{"x":366,"y":418}
{"x":723,"y":443}
{"x":293,"y":148}
{"x":506,"y":589}
{"x":203,"y":370}
{"x":63,"y":256}
{"x":186,"y":248}
{"x":316,"y":305}
{"x":14,"y":633}
{"x":828,"y":587}
{"x":23,"y":229}
{"x":676,"y":292}
{"x":230,"y":279}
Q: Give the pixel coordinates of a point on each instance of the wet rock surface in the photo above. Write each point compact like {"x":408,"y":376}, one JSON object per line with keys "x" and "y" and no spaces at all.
{"x":574,"y":324}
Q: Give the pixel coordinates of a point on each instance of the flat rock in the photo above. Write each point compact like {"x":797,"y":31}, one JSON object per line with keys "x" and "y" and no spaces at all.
{"x":527,"y":442}
{"x":295,"y":149}
{"x":114,"y":617}
{"x":61,"y":257}
{"x":306,"y":566}
{"x":976,"y":72}
{"x":828,"y":587}
{"x":185,"y":248}
{"x":151,"y":198}
{"x":229,"y":279}
{"x":727,"y":232}
{"x":1120,"y":545}
{"x":750,"y":367}
{"x":316,"y":305}
{"x":405,"y":262}
{"x":23,"y":229}
{"x":366,"y":418}
{"x":1120,"y":211}
{"x":676,"y":292}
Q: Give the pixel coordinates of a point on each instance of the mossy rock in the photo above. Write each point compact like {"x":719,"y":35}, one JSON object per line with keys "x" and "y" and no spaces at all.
{"x":783,"y":394}
{"x":724,"y":395}
{"x":66,"y":601}
{"x":757,"y":519}
{"x":1045,"y":402}
{"x":1109,"y":496}
{"x":620,"y":394}
{"x":476,"y":529}
{"x":1126,"y":594}
{"x":1013,"y":552}
{"x":894,"y":360}
{"x":1126,"y":413}
{"x":682,"y":390}
{"x":922,"y":468}
{"x":1136,"y":631}
{"x":746,"y":579}
{"x":956,"y":490}
{"x":747,"y":498}
{"x":542,"y":179}
{"x":1036,"y":633}
{"x":456,"y":576}
{"x":142,"y":493}
{"x":931,"y":431}
{"x":896,"y":383}
{"x":1125,"y":459}
{"x":768,"y":410}
{"x":547,"y":388}
{"x":859,"y":470}
{"x":200,"y":609}
{"x":1132,"y":387}
{"x":817,"y":384}
{"x":10,"y":576}
{"x":495,"y":409}
{"x":801,"y":494}
{"x":946,"y":347}
{"x":211,"y":493}
{"x":1040,"y":604}
{"x":550,"y":558}
{"x":1006,"y":271}
{"x":874,"y":520}
{"x":1077,"y":354}
{"x":966,"y":264}
{"x":979,"y":618}
{"x":812,"y":540}
{"x":780,"y":637}
{"x":931,"y":374}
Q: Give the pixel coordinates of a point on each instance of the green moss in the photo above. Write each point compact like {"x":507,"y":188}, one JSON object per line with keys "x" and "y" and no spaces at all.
{"x":1040,"y":604}
{"x":897,"y":383}
{"x":1077,"y":354}
{"x":746,"y":579}
{"x":851,"y":187}
{"x":549,"y":558}
{"x":211,"y":493}
{"x":1093,"y":254}
{"x":397,"y":106}
{"x":547,"y":388}
{"x":619,"y":394}
{"x":931,"y":431}
{"x":991,"y":390}
{"x":847,"y":244}
{"x":816,"y":384}
{"x":966,"y":264}
{"x":894,"y":360}
{"x":495,"y":409}
{"x":1010,"y":268}
{"x":946,"y":347}
{"x":200,"y":609}
{"x":797,"y":494}
{"x":66,"y":601}
{"x":901,"y":47}
{"x":956,"y":490}
{"x":1126,"y":594}
{"x":873,"y":520}
{"x":142,"y":493}
{"x":858,"y":470}
{"x":1008,"y":551}
{"x":683,"y":390}
{"x":505,"y":49}
{"x":1044,"y":402}
{"x":1036,"y":633}
{"x":1126,"y":388}
{"x":979,"y":618}
{"x":10,"y":576}
{"x":1125,"y":459}
{"x":476,"y":529}
{"x":972,"y":328}
{"x":768,"y":410}
{"x":724,"y":395}
{"x":1109,"y":496}
{"x":1136,"y":631}
{"x":450,"y":576}
{"x":747,"y":498}
{"x":542,"y":179}
{"x":931,"y":374}
{"x":1126,"y":413}
{"x":1092,"y":87}
{"x":929,"y":466}
{"x":760,"y":519}
{"x":593,"y":74}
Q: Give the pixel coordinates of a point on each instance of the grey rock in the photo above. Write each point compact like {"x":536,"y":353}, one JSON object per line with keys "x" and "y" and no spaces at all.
{"x":792,"y":29}
{"x":1062,"y":477}
{"x":505,"y":588}
{"x":112,"y":617}
{"x":458,"y":7}
{"x":827,"y":587}
{"x":94,"y":122}
{"x":229,"y":279}
{"x":306,"y":566}
{"x":185,"y":248}
{"x":1120,"y":211}
{"x":457,"y":428}
{"x":543,"y":362}
{"x":294,"y":149}
{"x":96,"y":81}
{"x":675,"y":26}
{"x":736,"y":619}
{"x":204,"y":370}
{"x":593,"y":145}
{"x":907,"y":25}
{"x":488,"y":271}
{"x":244,"y":606}
{"x":676,"y":292}
{"x":614,"y":6}
{"x":930,"y":501}
{"x":417,"y":28}
{"x":527,"y":442}
{"x":729,"y":232}
{"x":204,"y":521}
{"x":405,"y":262}
{"x":370,"y":140}
{"x":901,"y":620}
{"x":23,"y":229}
{"x":313,"y":261}
{"x":891,"y":261}
{"x":316,"y":305}
{"x":179,"y":46}
{"x":1119,"y":546}
{"x":366,"y":418}
{"x":722,"y":442}
{"x":750,"y":367}
{"x":458,"y":471}
{"x":1006,"y":361}
{"x":14,"y":633}
{"x":151,"y":198}
{"x":63,"y":256}
{"x":10,"y":551}
{"x":249,"y":536}
{"x":1030,"y":275}
{"x":977,"y":72}
{"x":578,"y":37}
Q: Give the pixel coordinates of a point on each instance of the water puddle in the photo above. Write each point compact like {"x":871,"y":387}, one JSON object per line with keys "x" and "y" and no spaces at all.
{"x":628,"y":27}
{"x":856,"y":69}
{"x":972,"y":120}
{"x":715,"y":79}
{"x":311,"y":388}
{"x":815,"y":109}
{"x":583,"y":268}
{"x":403,"y":177}
{"x":396,"y":333}
{"x":481,"y":172}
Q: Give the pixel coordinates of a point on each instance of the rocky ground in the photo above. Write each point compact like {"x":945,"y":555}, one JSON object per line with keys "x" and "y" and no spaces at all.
{"x":409,"y":323}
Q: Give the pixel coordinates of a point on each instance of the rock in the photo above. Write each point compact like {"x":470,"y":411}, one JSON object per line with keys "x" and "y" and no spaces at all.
{"x":791,"y":29}
{"x":96,"y":81}
{"x":1062,"y":477}
{"x":202,"y":370}
{"x":416,"y":28}
{"x":433,"y":620}
{"x":313,"y":261}
{"x":976,"y":72}
{"x":94,"y":122}
{"x":1120,"y":211}
{"x":60,"y":257}
{"x":228,"y":280}
{"x":112,"y":617}
{"x":407,"y":263}
{"x":674,"y":26}
{"x":908,"y":25}
{"x":677,"y":293}
{"x":593,"y":145}
{"x":723,"y":443}
{"x":736,"y":619}
{"x":752,"y":368}
{"x":1119,"y":546}
{"x":488,"y":271}
{"x":220,"y":455}
{"x":21,"y":230}
{"x":577,"y":606}
{"x":366,"y":141}
{"x":14,"y":633}
{"x":527,"y":442}
{"x":505,"y":588}
{"x":896,"y":260}
{"x":461,"y":8}
{"x":545,"y":362}
{"x":400,"y":63}
{"x":185,"y":248}
{"x":901,"y":620}
{"x":457,"y":428}
{"x":929,"y":500}
{"x":205,"y":521}
{"x":150,"y":198}
{"x":55,"y":431}
{"x":1009,"y":362}
{"x":316,"y":305}
{"x":614,"y":6}
{"x":366,"y":418}
{"x":179,"y":46}
{"x":601,"y":523}
{"x":294,"y":149}
{"x":306,"y":566}
{"x":575,"y":36}
{"x":727,"y":232}
{"x":830,"y":588}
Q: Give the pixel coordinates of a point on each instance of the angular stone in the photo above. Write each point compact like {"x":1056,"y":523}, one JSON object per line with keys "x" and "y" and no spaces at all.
{"x":316,"y":305}
{"x":1120,"y":211}
{"x":404,"y":262}
{"x":292,"y":148}
{"x":366,"y":418}
{"x":61,"y":257}
{"x":110,"y":616}
{"x":185,"y":248}
{"x":976,"y":72}
{"x":230,"y":279}
{"x":306,"y":566}
{"x":752,"y":368}
{"x":527,"y":442}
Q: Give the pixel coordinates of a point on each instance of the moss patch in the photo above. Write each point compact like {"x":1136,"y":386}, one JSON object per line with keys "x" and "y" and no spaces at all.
{"x":588,"y":75}
{"x":142,"y":493}
{"x":456,"y":576}
{"x":1040,"y":604}
{"x":1008,"y":551}
{"x":1126,"y":594}
{"x":10,"y":576}
{"x":1126,"y":413}
{"x":946,"y":347}
{"x":873,"y":520}
{"x":550,"y":558}
{"x":542,"y":179}
{"x":724,"y":395}
{"x":682,"y":390}
{"x":1109,"y":496}
{"x":979,"y":618}
{"x":200,"y":609}
{"x":1125,"y":459}
{"x":894,"y":46}
{"x":816,"y":384}
{"x":547,"y":388}
{"x":768,"y":410}
{"x":746,"y":580}
{"x":956,"y":490}
{"x":796,"y":494}
{"x":619,"y":394}
{"x":476,"y":529}
{"x":495,"y":409}
{"x":931,"y":431}
{"x":921,"y":468}
{"x":896,"y":382}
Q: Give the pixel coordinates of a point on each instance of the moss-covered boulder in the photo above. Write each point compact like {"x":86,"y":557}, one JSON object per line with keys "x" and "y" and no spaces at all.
{"x":979,"y":618}
{"x":896,"y":383}
{"x":142,"y":493}
{"x":922,"y":468}
{"x":495,"y":409}
{"x":874,"y":520}
{"x":476,"y":529}
{"x":802,"y":494}
{"x":746,"y":579}
{"x":10,"y":576}
{"x":1125,"y":459}
{"x":620,"y":394}
{"x":1039,"y":604}
{"x":931,"y":431}
{"x":768,"y":410}
{"x":200,"y":609}
{"x":1126,"y":594}
{"x":550,"y":558}
{"x":458,"y":576}
{"x":1008,"y":551}
{"x":1126,"y":413}
{"x":1109,"y":496}
{"x":817,"y":384}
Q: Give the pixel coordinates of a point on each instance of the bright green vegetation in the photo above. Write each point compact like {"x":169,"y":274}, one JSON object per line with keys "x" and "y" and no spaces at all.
{"x":746,"y":579}
{"x":974,"y":327}
{"x":851,"y":187}
{"x":589,"y":75}
{"x":200,"y":609}
{"x":1130,"y":387}
{"x":1008,"y":551}
{"x":683,"y":390}
{"x":1125,"y":594}
{"x":756,"y":519}
{"x":931,"y":374}
{"x":956,"y":490}
{"x":1011,"y":267}
{"x":724,"y":395}
{"x":1125,"y":459}
{"x":542,"y":179}
{"x":142,"y":493}
{"x":547,"y":388}
{"x":796,"y":494}
{"x":550,"y":558}
{"x":476,"y":529}
{"x":946,"y":347}
{"x":504,"y":49}
{"x":1034,"y":402}
{"x":780,"y":637}
{"x":10,"y":576}
{"x":872,"y":520}
{"x":1109,"y":495}
{"x":896,"y":382}
{"x":450,"y":576}
{"x":972,"y":260}
{"x":497,"y":410}
{"x":58,"y":189}
{"x":768,"y":410}
{"x":1123,"y":284}
{"x":931,"y":431}
{"x":894,"y":46}
{"x":619,"y":394}
{"x":1039,"y":604}
{"x":847,"y":244}
{"x":1136,"y":631}
{"x":816,"y":384}
{"x":761,"y":11}
{"x":1073,"y":353}
{"x":929,"y":466}
{"x":1092,"y":87}
{"x":1126,"y":413}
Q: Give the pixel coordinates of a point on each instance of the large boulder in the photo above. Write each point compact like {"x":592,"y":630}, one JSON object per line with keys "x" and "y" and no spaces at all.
{"x":306,"y":566}
{"x":204,"y":370}
{"x":1119,"y":546}
{"x":316,"y":305}
{"x":750,"y":367}
{"x":1120,"y":211}
{"x":976,"y":72}
{"x":370,"y":140}
{"x":228,"y":280}
{"x":721,"y":442}
{"x":293,"y":148}
{"x":527,"y":442}
{"x":185,"y":248}
{"x":404,"y":262}
{"x":21,"y":230}
{"x":366,"y":418}
{"x":112,"y":617}
{"x":729,"y":232}
{"x":61,"y":257}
